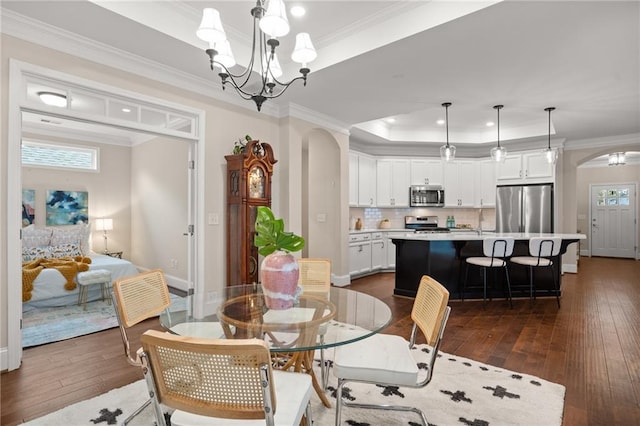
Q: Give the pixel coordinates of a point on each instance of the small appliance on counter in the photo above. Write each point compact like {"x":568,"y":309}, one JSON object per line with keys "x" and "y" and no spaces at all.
{"x":423,"y":224}
{"x":426,"y":196}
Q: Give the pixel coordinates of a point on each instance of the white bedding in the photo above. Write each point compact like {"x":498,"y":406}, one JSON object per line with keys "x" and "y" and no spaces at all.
{"x":48,"y":287}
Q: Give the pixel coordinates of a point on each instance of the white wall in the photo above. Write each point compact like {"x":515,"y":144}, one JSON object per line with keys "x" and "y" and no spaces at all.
{"x":109,"y":191}
{"x":587,"y":176}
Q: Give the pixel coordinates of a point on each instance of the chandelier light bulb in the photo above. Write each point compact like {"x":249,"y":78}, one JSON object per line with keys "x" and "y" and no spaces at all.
{"x":275,"y":22}
{"x":304,"y":52}
{"x":210,"y":29}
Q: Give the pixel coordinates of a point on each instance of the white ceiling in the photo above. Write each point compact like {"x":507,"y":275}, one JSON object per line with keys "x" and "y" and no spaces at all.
{"x":402,"y":59}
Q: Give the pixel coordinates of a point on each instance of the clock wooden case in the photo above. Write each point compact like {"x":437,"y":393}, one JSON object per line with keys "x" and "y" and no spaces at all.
{"x":248,"y":186}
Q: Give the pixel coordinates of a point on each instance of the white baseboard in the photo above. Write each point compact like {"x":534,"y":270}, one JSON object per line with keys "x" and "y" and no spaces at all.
{"x":571,"y":268}
{"x":4,"y":361}
{"x":175,"y":282}
{"x":340,"y":280}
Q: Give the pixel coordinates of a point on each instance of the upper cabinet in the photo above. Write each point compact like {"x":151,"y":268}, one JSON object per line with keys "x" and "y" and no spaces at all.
{"x":426,"y":172}
{"x":459,"y":188}
{"x":525,"y":167}
{"x":485,"y":180}
{"x":366,"y":181}
{"x":393,"y":183}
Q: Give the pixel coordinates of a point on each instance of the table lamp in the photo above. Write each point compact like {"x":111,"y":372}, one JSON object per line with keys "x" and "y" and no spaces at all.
{"x":104,"y":225}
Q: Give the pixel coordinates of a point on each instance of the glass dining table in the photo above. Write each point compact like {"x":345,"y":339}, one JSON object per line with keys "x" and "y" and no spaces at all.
{"x":317,"y":321}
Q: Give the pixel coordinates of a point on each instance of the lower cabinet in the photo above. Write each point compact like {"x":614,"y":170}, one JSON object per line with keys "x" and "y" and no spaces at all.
{"x":378,"y":252}
{"x":359,"y":254}
{"x":370,"y":252}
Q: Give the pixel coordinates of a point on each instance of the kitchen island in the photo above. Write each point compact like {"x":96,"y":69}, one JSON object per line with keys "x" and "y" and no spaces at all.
{"x":442,"y":256}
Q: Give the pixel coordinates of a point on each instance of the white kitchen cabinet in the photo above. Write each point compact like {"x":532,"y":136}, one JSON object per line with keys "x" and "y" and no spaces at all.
{"x":531,"y":167}
{"x":459,"y":185}
{"x":485,"y":179}
{"x":353,"y":179}
{"x":366,"y":181}
{"x":393,"y":183}
{"x":359,"y":253}
{"x":378,"y":251}
{"x":426,"y":172}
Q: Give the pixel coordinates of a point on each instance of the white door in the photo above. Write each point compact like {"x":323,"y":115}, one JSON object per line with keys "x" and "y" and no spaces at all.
{"x":613,"y":220}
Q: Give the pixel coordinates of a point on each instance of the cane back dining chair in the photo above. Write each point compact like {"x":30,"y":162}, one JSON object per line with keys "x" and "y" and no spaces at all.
{"x":386,"y":360}
{"x":496,"y":250}
{"x":221,"y":382}
{"x":315,"y":279}
{"x":541,"y":249}
{"x":137,"y":298}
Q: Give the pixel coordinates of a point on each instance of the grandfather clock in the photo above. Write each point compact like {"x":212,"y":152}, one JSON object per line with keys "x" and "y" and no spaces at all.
{"x":248,"y":186}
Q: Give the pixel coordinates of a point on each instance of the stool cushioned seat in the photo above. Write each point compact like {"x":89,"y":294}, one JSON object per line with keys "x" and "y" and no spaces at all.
{"x":95,"y":276}
{"x":531,"y":261}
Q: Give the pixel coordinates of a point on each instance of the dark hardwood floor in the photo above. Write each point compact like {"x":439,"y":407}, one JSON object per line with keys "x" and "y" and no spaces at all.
{"x":591,"y":345}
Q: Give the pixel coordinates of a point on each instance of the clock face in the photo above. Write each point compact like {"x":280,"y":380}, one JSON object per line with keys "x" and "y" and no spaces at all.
{"x":256,"y":183}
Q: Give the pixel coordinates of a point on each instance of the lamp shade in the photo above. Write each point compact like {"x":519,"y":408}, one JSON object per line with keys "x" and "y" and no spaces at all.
{"x":275,"y":22}
{"x":225,"y":55}
{"x":304,"y":52}
{"x":211,"y":26}
{"x":104,"y":224}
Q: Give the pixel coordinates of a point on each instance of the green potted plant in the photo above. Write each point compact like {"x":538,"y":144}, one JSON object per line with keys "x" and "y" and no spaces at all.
{"x":279,"y":269}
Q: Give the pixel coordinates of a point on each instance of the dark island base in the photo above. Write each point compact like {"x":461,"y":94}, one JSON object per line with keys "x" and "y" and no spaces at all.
{"x":445,"y":262}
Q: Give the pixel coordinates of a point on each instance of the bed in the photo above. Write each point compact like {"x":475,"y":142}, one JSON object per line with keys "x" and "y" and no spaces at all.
{"x":48,"y":286}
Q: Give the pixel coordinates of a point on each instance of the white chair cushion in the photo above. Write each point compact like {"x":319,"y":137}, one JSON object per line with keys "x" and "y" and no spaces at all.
{"x":486,"y":262}
{"x":531,"y":261}
{"x":94,"y":276}
{"x":293,"y":391}
{"x":381,"y":358}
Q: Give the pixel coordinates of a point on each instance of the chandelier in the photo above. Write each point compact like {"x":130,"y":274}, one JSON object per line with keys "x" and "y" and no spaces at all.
{"x":447,"y":152}
{"x":616,"y":159}
{"x":271,"y":22}
{"x":498,"y":153}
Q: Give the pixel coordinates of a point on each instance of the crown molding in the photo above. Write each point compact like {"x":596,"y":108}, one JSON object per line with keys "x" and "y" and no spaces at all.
{"x":620,"y":140}
{"x":306,"y":114}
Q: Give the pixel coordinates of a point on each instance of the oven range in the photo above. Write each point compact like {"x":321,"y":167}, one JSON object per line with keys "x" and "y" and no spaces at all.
{"x":423,"y":224}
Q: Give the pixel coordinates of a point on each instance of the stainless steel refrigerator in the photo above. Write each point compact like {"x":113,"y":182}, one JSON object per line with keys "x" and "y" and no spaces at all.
{"x":524,"y":208}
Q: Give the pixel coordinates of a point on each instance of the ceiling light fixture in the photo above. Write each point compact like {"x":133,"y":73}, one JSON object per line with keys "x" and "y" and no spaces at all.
{"x":53,"y":99}
{"x":447,"y":152}
{"x":550,"y":154}
{"x":498,"y":153}
{"x":616,"y":159}
{"x":271,"y":22}
{"x":298,"y":11}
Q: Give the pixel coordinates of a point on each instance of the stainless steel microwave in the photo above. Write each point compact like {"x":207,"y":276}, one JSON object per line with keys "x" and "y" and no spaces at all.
{"x":426,"y":196}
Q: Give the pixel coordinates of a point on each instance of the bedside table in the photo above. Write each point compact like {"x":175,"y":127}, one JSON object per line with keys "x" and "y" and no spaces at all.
{"x":117,"y":254}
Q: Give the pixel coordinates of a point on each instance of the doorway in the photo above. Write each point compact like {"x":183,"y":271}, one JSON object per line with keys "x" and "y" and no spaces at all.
{"x":613,"y":220}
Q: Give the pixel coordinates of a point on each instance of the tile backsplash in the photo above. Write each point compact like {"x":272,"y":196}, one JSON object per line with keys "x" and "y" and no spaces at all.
{"x":371,"y":216}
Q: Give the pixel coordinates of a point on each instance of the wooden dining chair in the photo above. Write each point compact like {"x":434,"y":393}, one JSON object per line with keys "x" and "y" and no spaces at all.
{"x":221,"y":382}
{"x":386,"y":360}
{"x":137,"y":298}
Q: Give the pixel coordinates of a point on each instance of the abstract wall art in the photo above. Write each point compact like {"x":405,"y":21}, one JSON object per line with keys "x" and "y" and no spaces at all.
{"x":28,"y":206}
{"x":67,"y":207}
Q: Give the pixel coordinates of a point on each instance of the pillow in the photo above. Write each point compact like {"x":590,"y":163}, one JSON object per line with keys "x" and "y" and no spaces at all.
{"x":34,"y":237}
{"x":64,"y":250}
{"x":33,"y":253}
{"x":75,"y":234}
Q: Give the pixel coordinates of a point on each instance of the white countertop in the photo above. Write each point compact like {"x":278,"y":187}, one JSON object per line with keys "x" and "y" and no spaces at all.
{"x":473,"y":235}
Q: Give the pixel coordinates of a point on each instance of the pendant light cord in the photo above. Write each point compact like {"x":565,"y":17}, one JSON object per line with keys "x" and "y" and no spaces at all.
{"x":549,"y":109}
{"x":498,"y":108}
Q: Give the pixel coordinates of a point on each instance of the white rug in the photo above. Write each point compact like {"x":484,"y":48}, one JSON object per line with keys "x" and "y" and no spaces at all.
{"x":462,"y":392}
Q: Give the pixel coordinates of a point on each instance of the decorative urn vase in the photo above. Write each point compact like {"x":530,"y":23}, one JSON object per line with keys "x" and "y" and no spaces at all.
{"x":279,"y":272}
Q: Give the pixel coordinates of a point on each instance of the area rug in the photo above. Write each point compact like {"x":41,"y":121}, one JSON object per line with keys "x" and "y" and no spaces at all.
{"x":462,"y":392}
{"x":48,"y":325}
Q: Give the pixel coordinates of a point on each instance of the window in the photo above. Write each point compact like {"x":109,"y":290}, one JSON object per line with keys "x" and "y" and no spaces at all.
{"x":50,"y":155}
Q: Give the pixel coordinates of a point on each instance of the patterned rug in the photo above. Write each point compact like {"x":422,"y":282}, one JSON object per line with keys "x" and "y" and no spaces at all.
{"x":48,"y":325}
{"x":462,"y":392}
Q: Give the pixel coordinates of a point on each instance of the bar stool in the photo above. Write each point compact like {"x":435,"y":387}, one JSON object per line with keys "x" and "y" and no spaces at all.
{"x":540,"y":250}
{"x":495,"y":250}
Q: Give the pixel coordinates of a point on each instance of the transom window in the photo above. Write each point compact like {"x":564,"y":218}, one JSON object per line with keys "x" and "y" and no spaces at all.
{"x":59,"y":156}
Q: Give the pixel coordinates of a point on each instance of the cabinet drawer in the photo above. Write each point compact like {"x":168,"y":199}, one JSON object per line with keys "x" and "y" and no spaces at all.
{"x":376,"y":235}
{"x":354,"y":238}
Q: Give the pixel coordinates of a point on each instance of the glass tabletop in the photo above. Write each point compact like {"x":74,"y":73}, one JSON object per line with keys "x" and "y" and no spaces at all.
{"x":316,"y":321}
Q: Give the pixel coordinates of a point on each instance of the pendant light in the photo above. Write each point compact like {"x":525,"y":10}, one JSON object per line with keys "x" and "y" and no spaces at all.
{"x":498,"y":153}
{"x":447,"y":152}
{"x":550,"y":154}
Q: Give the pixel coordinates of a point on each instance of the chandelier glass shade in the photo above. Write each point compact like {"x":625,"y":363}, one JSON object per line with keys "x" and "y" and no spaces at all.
{"x":550,"y":154}
{"x":261,"y":83}
{"x":616,"y":159}
{"x":447,"y":151}
{"x":498,"y":153}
